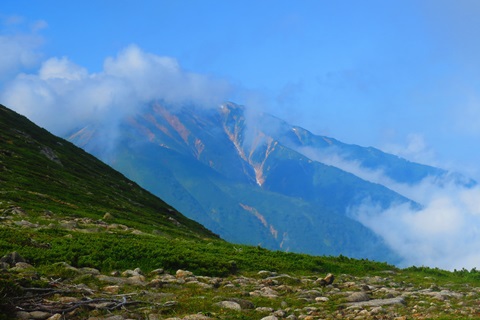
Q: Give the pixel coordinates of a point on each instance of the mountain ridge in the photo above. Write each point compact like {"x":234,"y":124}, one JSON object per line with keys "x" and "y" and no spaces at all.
{"x":247,"y":177}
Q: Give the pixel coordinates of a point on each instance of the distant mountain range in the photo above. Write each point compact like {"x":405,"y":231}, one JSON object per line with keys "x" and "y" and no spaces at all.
{"x":255,"y":179}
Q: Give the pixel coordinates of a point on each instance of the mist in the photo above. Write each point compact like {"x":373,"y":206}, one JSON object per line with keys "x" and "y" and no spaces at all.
{"x":444,"y":233}
{"x":63,"y":96}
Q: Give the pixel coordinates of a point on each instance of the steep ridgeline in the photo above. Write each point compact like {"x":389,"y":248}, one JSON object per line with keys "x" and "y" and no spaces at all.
{"x":41,"y":174}
{"x":253,"y":178}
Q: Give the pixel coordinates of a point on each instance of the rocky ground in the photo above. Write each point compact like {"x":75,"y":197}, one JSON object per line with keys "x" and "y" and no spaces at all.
{"x":131,"y":294}
{"x":66,"y":292}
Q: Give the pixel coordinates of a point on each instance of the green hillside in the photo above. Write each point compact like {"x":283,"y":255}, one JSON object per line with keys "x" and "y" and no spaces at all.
{"x":40,"y":172}
{"x":72,"y":230}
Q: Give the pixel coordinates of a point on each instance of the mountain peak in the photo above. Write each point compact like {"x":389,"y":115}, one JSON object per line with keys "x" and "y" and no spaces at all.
{"x":253,"y":178}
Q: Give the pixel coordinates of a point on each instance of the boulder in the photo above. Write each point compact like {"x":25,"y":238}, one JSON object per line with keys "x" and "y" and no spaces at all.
{"x":183,"y":273}
{"x":326,"y":281}
{"x":229,"y":305}
{"x":358,"y":296}
{"x":12,"y":258}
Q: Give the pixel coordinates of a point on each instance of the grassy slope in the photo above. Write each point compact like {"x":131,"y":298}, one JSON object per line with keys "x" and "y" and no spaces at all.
{"x":81,"y":186}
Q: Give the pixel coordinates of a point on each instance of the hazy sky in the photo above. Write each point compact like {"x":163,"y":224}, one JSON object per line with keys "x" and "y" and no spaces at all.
{"x":402,"y":76}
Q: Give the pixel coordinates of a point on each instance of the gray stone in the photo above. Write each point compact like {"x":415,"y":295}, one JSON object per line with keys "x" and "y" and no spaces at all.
{"x":269,"y":318}
{"x":228,"y":305}
{"x":157,"y":271}
{"x":196,"y":317}
{"x":22,"y":315}
{"x":12,"y":258}
{"x":115,"y":280}
{"x":87,"y":270}
{"x":116,"y":317}
{"x":40,"y":315}
{"x":358,"y":296}
{"x":245,"y":304}
{"x":376,"y":302}
{"x":266,"y":273}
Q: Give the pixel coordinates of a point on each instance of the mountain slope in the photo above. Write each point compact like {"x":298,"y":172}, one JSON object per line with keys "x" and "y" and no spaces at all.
{"x":39,"y":172}
{"x":253,"y":178}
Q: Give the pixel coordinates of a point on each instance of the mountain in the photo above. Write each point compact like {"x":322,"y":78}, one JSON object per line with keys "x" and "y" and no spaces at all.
{"x":41,"y":173}
{"x":253,"y":178}
{"x":78,"y":240}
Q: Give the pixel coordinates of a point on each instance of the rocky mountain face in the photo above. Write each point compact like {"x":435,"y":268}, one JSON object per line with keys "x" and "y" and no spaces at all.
{"x":255,"y":179}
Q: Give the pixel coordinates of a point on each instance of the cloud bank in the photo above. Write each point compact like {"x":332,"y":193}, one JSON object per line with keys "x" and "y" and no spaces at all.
{"x":444,"y":233}
{"x":62,"y":95}
{"x":18,"y":52}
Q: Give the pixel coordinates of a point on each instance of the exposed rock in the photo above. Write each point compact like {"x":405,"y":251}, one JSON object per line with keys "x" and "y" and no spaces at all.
{"x":26,"y":224}
{"x":284,"y":278}
{"x":115,"y":317}
{"x":129,"y":273}
{"x":196,"y":317}
{"x":135,"y":281}
{"x":22,"y":315}
{"x":50,"y":154}
{"x":40,"y":315}
{"x":329,"y":278}
{"x":15,"y":211}
{"x":322,"y":299}
{"x":269,"y":318}
{"x":87,"y":270}
{"x":266,"y":274}
{"x":245,"y":304}
{"x":358,"y":297}
{"x":69,"y":225}
{"x":112,"y":289}
{"x":229,"y":305}
{"x":200,"y":284}
{"x":157,"y":271}
{"x":108,"y":216}
{"x":183,"y":273}
{"x":377,"y":302}
{"x":265,"y":292}
{"x":67,"y":299}
{"x":12,"y":258}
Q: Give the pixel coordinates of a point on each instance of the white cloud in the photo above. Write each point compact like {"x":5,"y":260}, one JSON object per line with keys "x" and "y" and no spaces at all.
{"x":62,"y":68}
{"x":62,"y":96}
{"x":415,"y":149}
{"x":445,"y":233}
{"x":19,"y":52}
{"x":20,"y":46}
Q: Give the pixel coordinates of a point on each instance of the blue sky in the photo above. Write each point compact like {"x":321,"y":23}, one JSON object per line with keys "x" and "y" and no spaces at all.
{"x":402,"y":76}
